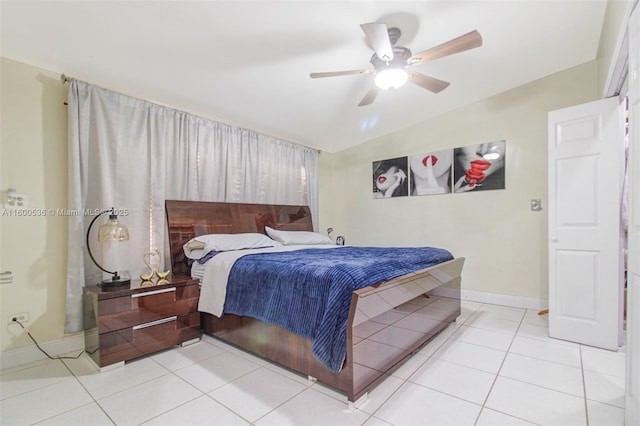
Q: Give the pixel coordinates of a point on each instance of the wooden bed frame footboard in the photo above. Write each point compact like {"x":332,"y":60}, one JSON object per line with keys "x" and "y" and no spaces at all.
{"x":387,"y":322}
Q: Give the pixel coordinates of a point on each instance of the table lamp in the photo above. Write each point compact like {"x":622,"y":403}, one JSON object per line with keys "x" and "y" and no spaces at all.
{"x":112,"y":230}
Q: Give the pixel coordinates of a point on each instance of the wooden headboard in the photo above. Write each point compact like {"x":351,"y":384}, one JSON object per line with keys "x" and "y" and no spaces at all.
{"x":189,"y":219}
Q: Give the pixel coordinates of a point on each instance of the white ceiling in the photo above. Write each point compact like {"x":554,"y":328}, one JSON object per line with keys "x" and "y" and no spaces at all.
{"x":247,"y":63}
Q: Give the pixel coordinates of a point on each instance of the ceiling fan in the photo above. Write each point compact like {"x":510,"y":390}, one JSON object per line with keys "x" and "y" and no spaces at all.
{"x":390,"y":62}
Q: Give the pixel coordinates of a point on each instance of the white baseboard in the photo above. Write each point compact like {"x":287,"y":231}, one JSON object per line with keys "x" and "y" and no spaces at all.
{"x":71,"y":345}
{"x":494,"y":298}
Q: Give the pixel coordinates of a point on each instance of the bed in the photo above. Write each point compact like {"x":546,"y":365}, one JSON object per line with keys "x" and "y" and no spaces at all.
{"x":385,"y":322}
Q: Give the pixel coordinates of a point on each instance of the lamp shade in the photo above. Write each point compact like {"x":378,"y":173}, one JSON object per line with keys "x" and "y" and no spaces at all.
{"x":113,"y":230}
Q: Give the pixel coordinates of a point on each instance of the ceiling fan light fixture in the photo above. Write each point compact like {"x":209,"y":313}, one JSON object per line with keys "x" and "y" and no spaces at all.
{"x":391,"y":78}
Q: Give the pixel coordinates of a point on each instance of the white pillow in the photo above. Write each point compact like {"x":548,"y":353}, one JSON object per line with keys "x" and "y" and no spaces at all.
{"x":199,"y":246}
{"x":297,"y":237}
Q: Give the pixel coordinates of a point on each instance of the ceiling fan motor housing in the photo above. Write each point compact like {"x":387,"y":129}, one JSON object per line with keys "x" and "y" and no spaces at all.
{"x":394,"y":35}
{"x":400,"y":57}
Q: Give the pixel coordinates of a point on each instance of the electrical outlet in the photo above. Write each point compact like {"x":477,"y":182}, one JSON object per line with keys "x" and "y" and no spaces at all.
{"x":15,"y":201}
{"x":22,"y":317}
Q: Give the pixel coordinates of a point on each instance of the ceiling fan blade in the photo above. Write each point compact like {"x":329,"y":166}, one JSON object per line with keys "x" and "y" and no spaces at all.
{"x":370,"y":96}
{"x":337,"y":73}
{"x":378,"y":37}
{"x":432,"y":84}
{"x":466,"y":41}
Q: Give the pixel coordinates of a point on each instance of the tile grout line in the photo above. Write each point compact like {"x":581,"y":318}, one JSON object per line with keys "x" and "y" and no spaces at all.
{"x":404,"y":381}
{"x":203,"y":393}
{"x":206,"y":394}
{"x":37,"y":388}
{"x":72,"y":377}
{"x":370,"y":416}
{"x":584,"y":386}
{"x":284,"y":402}
{"x":582,"y":371}
{"x":177,"y":406}
{"x":95,"y":401}
{"x":484,"y":403}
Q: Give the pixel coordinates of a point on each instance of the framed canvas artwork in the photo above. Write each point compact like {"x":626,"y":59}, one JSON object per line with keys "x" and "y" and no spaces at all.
{"x":430,"y":172}
{"x":479,"y":167}
{"x":390,"y":178}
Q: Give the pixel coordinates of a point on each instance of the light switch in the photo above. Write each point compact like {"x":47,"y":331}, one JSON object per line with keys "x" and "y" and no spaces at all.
{"x":536,"y":205}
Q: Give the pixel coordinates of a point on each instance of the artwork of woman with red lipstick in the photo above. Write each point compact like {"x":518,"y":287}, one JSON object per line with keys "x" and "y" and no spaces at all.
{"x":390,"y":178}
{"x":431,"y":172}
{"x":479,"y":167}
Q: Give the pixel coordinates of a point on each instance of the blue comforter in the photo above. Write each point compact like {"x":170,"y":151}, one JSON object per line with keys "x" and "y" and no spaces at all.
{"x":309,"y":291}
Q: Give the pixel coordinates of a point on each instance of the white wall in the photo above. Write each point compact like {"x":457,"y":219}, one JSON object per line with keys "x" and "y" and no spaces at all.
{"x":33,"y":147}
{"x":505,"y":244}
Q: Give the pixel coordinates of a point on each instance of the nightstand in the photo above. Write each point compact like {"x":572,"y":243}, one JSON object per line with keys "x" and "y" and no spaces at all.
{"x":123,"y":324}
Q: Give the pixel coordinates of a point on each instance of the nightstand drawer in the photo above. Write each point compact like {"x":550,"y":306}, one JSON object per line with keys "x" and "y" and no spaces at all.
{"x":142,"y":339}
{"x":128,"y":323}
{"x":145,"y":307}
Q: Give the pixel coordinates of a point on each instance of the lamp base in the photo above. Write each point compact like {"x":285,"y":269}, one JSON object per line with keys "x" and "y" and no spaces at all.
{"x":115,"y":284}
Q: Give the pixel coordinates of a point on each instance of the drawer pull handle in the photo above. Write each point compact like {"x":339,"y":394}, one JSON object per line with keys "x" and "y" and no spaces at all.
{"x":149,"y":293}
{"x":152,"y":323}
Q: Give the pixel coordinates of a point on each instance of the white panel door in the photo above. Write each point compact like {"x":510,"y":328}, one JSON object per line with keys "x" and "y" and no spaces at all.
{"x":632,"y":399}
{"x":586,"y":158}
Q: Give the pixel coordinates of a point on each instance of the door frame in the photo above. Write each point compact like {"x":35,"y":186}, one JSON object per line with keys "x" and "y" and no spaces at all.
{"x":617,"y":84}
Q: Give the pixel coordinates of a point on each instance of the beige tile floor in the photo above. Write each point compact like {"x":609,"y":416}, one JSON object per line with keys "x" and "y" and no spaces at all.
{"x":494,"y":366}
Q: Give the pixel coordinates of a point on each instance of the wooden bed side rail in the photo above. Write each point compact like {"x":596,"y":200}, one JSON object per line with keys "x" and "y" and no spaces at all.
{"x":375,"y":300}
